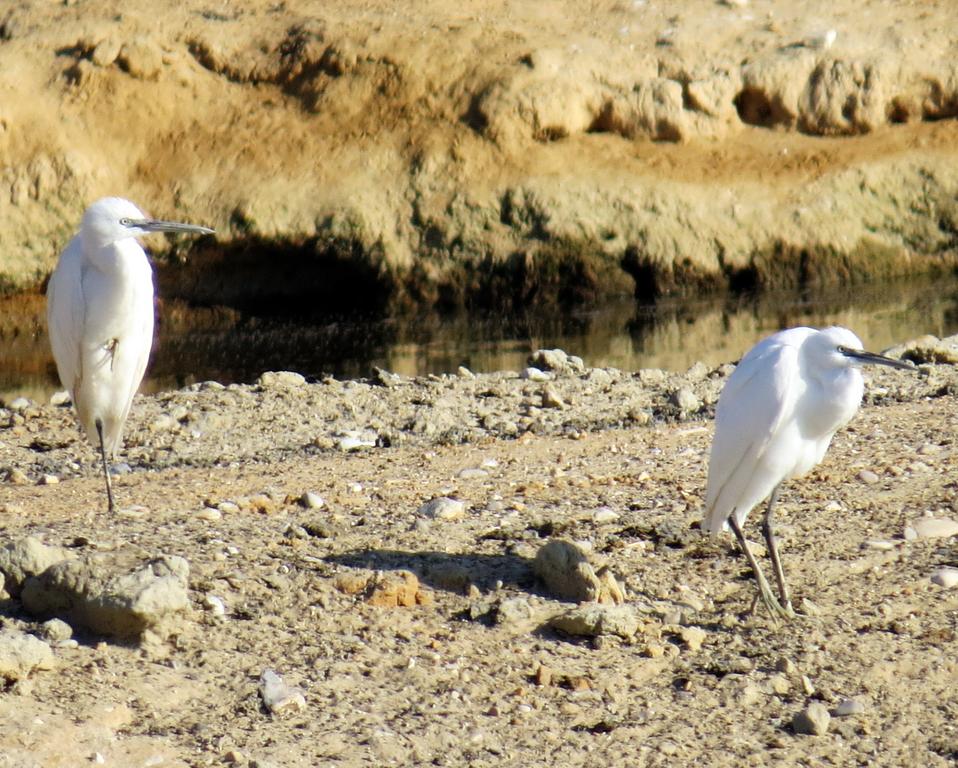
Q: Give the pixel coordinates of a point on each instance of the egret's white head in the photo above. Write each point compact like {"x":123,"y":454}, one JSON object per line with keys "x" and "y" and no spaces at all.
{"x":838,"y":347}
{"x":112,"y":218}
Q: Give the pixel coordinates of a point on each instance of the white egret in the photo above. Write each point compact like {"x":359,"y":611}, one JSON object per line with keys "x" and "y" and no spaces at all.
{"x":774,"y":420}
{"x":100,"y":317}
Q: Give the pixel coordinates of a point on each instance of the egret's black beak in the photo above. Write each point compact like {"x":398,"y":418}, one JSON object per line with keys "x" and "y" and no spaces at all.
{"x":875,"y":359}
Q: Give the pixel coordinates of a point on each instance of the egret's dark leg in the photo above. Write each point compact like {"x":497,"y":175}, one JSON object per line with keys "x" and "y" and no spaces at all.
{"x":765,"y":591}
{"x":769,"y":533}
{"x":106,"y":467}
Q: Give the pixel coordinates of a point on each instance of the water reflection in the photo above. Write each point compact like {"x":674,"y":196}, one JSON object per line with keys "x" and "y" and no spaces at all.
{"x":195,"y":344}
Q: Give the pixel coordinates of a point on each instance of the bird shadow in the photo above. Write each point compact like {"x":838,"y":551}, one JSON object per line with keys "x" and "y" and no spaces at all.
{"x":451,"y":572}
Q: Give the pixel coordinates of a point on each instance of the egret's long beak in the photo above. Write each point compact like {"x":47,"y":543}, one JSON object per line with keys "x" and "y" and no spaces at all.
{"x":155,"y":225}
{"x":871,"y":357}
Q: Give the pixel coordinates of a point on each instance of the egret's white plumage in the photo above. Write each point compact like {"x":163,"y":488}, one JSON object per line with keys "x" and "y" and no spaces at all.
{"x":100,"y":316}
{"x":775,"y":420}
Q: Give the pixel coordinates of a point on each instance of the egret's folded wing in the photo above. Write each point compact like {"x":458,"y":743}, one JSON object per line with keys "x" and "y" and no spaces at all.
{"x":65,"y":314}
{"x":759,"y":395}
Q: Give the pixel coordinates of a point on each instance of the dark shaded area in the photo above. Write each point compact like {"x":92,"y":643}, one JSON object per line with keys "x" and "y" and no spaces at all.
{"x":445,"y":571}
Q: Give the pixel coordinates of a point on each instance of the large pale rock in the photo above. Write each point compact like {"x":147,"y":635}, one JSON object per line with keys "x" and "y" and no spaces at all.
{"x":594,"y":620}
{"x":27,"y":557}
{"x":111,"y":596}
{"x":567,"y":574}
{"x":21,"y":653}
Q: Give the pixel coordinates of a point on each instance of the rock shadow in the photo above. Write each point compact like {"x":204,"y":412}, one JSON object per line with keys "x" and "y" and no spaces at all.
{"x":451,"y":572}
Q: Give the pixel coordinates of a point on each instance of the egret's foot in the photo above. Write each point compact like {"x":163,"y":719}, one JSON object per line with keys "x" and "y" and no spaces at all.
{"x":771,"y":602}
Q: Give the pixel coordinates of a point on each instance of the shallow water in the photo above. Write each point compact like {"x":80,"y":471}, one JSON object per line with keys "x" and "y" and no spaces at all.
{"x":196,"y":344}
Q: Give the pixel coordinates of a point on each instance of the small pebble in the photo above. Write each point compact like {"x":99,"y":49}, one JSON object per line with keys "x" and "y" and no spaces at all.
{"x":56,"y":630}
{"x":443,"y":508}
{"x":214,"y":605}
{"x":946,"y":577}
{"x":472,"y":473}
{"x":551,"y":398}
{"x":49,"y":480}
{"x":686,"y":400}
{"x":465,"y":373}
{"x":312,"y":500}
{"x":534,"y":374}
{"x":868,"y":477}
{"x":931,"y":528}
{"x":813,"y":720}
{"x":19,"y":404}
{"x":604,"y":515}
{"x":60,"y":398}
{"x":848,"y":707}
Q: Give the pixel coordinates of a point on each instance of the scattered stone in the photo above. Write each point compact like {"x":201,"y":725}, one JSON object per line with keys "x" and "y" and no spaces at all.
{"x":551,"y":398}
{"x":281,"y":380}
{"x":813,"y":720}
{"x":534,"y":374}
{"x":21,"y":653}
{"x":847,"y":708}
{"x":567,"y":573}
{"x":472,"y":473}
{"x":351,"y":582}
{"x":214,"y":605}
{"x":779,"y":684}
{"x":786,"y":666}
{"x":464,"y":373}
{"x":19,"y":404}
{"x":16,"y":476}
{"x":604,"y":515}
{"x":396,"y":589}
{"x":60,"y":398}
{"x":556,"y":360}
{"x":28,"y":557}
{"x":141,"y":58}
{"x":686,"y":400}
{"x":593,"y":620}
{"x":928,"y":349}
{"x":880,"y":544}
{"x":693,"y":637}
{"x":228,"y":507}
{"x":105,"y":52}
{"x":355,"y":441}
{"x":443,"y":508}
{"x":513,"y":611}
{"x":312,"y":500}
{"x":945,"y":576}
{"x":56,"y":631}
{"x":110,"y":595}
{"x":279,"y":697}
{"x":931,"y":528}
{"x":544,"y":676}
{"x":868,"y":477}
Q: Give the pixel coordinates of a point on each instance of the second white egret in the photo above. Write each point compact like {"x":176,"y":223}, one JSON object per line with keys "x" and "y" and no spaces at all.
{"x":100,"y":317}
{"x":775,"y":420}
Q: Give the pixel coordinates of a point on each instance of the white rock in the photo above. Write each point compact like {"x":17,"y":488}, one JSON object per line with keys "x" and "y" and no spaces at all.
{"x":472,"y":473}
{"x":443,"y":508}
{"x":604,"y":515}
{"x":932,"y":528}
{"x":945,"y":576}
{"x":534,"y":374}
{"x":880,"y":544}
{"x":214,"y":605}
{"x":868,"y":477}
{"x":848,"y":707}
{"x":281,"y":379}
{"x":312,"y":500}
{"x":279,"y":697}
{"x":20,"y":404}
{"x":60,"y":398}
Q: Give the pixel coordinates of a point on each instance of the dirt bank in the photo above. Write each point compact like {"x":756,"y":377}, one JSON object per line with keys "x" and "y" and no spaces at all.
{"x":490,"y":152}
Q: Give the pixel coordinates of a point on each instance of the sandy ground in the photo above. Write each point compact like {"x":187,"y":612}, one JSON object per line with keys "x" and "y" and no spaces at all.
{"x":620,"y":469}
